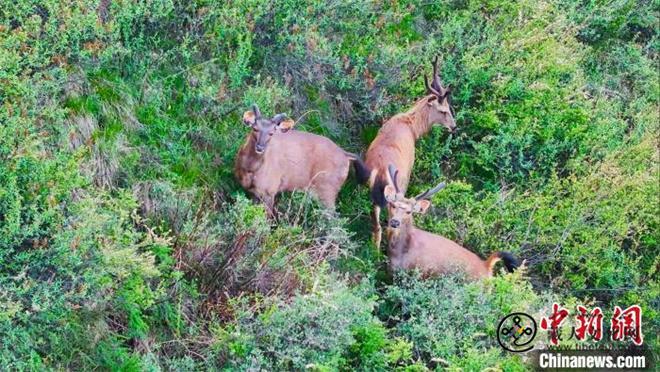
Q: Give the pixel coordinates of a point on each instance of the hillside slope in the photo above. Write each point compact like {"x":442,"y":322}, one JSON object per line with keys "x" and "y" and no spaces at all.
{"x":126,"y":243}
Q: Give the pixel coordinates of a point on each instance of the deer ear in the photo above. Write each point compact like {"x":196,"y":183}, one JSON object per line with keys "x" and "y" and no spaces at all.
{"x":431,"y":99}
{"x":248,"y":117}
{"x":421,"y":206}
{"x":390,"y":193}
{"x":285,"y":125}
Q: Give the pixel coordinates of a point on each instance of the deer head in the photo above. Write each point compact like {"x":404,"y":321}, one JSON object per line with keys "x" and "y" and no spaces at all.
{"x":438,"y":100}
{"x":263,"y":129}
{"x":401,"y":208}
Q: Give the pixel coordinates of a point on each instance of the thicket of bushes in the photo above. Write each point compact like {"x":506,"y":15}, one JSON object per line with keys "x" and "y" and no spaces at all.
{"x":125,"y":242}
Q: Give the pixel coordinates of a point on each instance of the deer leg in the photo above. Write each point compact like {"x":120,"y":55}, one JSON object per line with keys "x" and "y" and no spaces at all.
{"x":328,"y":199}
{"x":269,"y":202}
{"x":377,"y":230}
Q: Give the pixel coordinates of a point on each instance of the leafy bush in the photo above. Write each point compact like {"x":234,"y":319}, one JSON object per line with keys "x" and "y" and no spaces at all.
{"x":238,"y":251}
{"x":78,"y":290}
{"x":453,"y":323}
{"x":316,"y":330}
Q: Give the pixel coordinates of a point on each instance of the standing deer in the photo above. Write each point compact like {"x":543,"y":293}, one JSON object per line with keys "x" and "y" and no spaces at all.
{"x":395,"y":143}
{"x":412,"y":248}
{"x":275,"y":158}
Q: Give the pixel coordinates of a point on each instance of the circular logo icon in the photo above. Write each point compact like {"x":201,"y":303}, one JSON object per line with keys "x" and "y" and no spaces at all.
{"x":516,"y":332}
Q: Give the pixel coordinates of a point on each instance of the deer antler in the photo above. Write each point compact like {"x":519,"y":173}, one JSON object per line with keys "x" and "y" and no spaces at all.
{"x":255,"y":109}
{"x":393,"y":176}
{"x":436,"y":79}
{"x":436,"y":86}
{"x":430,"y":89}
{"x":429,"y":193}
{"x":278,"y":118}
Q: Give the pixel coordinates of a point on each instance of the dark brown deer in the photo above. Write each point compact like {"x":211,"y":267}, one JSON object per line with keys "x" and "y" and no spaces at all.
{"x":412,"y":248}
{"x":275,"y":158}
{"x":395,"y":143}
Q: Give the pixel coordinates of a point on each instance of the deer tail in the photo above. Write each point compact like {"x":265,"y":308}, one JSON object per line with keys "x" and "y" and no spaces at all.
{"x":509,"y":261}
{"x":362,"y":172}
{"x":377,"y":186}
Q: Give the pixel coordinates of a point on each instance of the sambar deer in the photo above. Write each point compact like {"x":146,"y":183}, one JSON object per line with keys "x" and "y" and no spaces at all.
{"x":395,"y":143}
{"x":275,"y":158}
{"x":412,"y":248}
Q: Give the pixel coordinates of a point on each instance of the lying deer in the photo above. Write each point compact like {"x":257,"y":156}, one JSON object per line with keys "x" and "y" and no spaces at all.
{"x":412,"y":248}
{"x":395,"y":143}
{"x":275,"y":158}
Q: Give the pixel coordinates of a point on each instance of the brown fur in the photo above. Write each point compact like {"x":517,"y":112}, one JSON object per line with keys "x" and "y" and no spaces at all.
{"x":395,"y":144}
{"x":293,"y":160}
{"x":412,"y":248}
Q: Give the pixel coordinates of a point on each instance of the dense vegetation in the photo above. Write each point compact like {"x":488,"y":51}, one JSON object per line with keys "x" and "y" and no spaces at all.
{"x":126,"y":243}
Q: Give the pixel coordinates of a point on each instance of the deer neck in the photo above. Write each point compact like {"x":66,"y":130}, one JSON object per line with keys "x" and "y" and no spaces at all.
{"x":399,"y":240}
{"x":250,"y":161}
{"x":419,"y":118}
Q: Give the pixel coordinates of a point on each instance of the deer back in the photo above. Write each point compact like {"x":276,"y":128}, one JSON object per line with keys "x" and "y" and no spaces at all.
{"x":436,"y":255}
{"x":394,"y":144}
{"x":293,"y":161}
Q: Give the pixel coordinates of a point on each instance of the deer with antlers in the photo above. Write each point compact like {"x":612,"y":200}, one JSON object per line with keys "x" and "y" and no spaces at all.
{"x":395,"y":143}
{"x":412,"y":248}
{"x":275,"y":158}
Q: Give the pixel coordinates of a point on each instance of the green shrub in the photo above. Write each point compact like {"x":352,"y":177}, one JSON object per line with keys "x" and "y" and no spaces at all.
{"x":321,"y":330}
{"x":238,"y":250}
{"x":126,"y":243}
{"x":68,"y":294}
{"x":453,"y":323}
